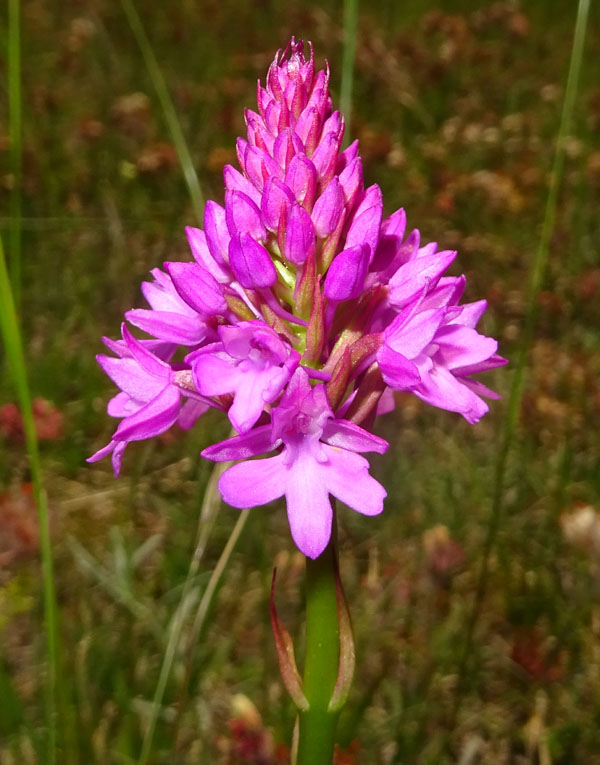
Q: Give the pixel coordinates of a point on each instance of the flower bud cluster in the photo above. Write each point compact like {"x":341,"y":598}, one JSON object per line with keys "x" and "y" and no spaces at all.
{"x":300,"y":314}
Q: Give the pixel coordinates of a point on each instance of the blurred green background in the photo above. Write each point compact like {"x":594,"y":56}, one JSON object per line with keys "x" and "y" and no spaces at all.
{"x":457,"y":108}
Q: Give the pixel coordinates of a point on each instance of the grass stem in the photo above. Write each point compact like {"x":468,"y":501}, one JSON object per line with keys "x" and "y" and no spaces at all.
{"x":15,"y":134}
{"x":13,"y":343}
{"x":538,"y":271}
{"x":166,"y":102}
{"x":210,"y":506}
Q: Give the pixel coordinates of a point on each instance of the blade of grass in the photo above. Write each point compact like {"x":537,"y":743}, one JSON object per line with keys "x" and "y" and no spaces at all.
{"x":14,"y":350}
{"x":162,"y":92}
{"x":538,"y":272}
{"x":110,"y":583}
{"x":200,"y":618}
{"x":350,"y":26}
{"x":210,"y":506}
{"x":14,"y":105}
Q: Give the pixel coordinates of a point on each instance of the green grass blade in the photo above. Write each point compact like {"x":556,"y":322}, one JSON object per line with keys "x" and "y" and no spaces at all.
{"x":14,"y":351}
{"x":162,"y":92}
{"x":538,"y":272}
{"x":14,"y":128}
{"x":350,"y":26}
{"x":210,"y":506}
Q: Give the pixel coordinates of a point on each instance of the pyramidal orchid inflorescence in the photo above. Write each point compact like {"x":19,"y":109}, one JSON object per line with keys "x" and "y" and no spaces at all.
{"x":302,"y":311}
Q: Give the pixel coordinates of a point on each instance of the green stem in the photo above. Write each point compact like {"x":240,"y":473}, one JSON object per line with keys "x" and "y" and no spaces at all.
{"x":536,"y":280}
{"x":11,"y":333}
{"x":169,"y":111}
{"x":317,"y":725}
{"x":14,"y":99}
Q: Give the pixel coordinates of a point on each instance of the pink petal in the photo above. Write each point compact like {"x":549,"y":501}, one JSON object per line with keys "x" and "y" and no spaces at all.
{"x":197,"y":287}
{"x":243,"y":216}
{"x":462,"y":346}
{"x":308,"y":506}
{"x":409,"y":335}
{"x":275,"y":204}
{"x":410,"y":278}
{"x":366,"y":221}
{"x":202,"y":255}
{"x":252,"y":483}
{"x":190,"y":412}
{"x":345,"y":277}
{"x":214,"y":374}
{"x":250,"y":262}
{"x":131,"y":378}
{"x":122,"y":405}
{"x":174,"y":327}
{"x":299,"y":236}
{"x":348,"y":479}
{"x":328,"y":209}
{"x":301,"y":178}
{"x":248,"y":403}
{"x":154,"y":418}
{"x":217,"y":234}
{"x":251,"y":444}
{"x":440,"y":388}
{"x":397,"y":371}
{"x":235,"y":181}
{"x":145,"y":358}
{"x":347,"y":435}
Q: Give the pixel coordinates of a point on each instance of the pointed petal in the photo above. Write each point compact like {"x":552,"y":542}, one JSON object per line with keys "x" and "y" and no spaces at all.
{"x":348,"y":479}
{"x":308,"y":506}
{"x":117,"y":457}
{"x":462,"y":346}
{"x":243,"y":216}
{"x":480,"y":389}
{"x":145,"y":358}
{"x":202,"y":255}
{"x":299,"y":236}
{"x":366,"y":221}
{"x":470,"y":313}
{"x":410,"y":336}
{"x":101,"y":453}
{"x":173,"y":327}
{"x":493,"y":362}
{"x":253,"y":483}
{"x":328,"y":209}
{"x":131,"y":378}
{"x":154,"y":418}
{"x":440,"y":388}
{"x":410,"y":278}
{"x":250,"y":262}
{"x":197,"y":287}
{"x":397,"y":371}
{"x":217,"y":234}
{"x":345,"y":277}
{"x":347,"y":435}
{"x":251,"y":444}
{"x":235,"y":181}
{"x":275,"y":203}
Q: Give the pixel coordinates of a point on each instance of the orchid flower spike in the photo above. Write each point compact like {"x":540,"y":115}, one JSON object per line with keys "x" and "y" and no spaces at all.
{"x":301,"y":313}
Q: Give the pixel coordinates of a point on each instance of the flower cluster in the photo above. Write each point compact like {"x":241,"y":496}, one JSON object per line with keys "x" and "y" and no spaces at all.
{"x":301,"y":313}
